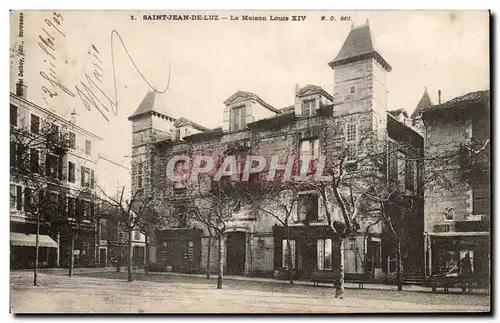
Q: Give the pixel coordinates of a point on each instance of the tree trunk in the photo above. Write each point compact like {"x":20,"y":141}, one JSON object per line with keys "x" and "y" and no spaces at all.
{"x":71,"y":255}
{"x":289,"y":257}
{"x":221,"y":264}
{"x":146,"y":244}
{"x":119,"y":255}
{"x":130,"y":255}
{"x":35,"y":273}
{"x":339,"y":283}
{"x":208,"y":253}
{"x":58,"y":251}
{"x":398,"y":265}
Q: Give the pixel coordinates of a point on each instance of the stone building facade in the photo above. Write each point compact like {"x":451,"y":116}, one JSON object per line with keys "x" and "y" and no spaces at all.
{"x":458,"y":209}
{"x":319,"y":124}
{"x":68,"y":173}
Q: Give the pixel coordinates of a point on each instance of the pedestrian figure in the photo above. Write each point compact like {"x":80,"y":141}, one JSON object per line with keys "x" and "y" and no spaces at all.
{"x":466,"y":265}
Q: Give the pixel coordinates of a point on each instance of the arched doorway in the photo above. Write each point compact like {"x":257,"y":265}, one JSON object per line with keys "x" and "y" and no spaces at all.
{"x":236,"y":253}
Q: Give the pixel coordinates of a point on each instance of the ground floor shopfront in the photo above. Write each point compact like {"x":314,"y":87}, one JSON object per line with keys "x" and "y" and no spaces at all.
{"x":265,"y":253}
{"x":313,"y":248}
{"x":23,"y":246}
{"x":458,"y":254}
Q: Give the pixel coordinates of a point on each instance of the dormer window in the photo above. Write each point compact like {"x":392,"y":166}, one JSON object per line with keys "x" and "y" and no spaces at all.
{"x":238,"y":118}
{"x":308,"y":107}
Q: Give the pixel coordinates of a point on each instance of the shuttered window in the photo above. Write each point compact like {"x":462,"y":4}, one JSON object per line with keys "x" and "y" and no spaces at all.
{"x":481,"y":198}
{"x":238,"y":118}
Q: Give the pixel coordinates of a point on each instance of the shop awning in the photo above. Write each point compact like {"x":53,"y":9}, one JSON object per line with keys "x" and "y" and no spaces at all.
{"x":29,"y":240}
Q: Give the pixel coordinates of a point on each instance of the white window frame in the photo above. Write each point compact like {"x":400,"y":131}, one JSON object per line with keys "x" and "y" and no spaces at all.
{"x":351,"y":143}
{"x":308,"y":107}
{"x":313,"y":147}
{"x":240,"y":121}
{"x":86,"y":179}
{"x":324,"y":245}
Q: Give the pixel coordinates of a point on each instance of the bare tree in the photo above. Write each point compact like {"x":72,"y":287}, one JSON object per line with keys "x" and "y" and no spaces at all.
{"x":129,"y":213}
{"x":276,"y":199}
{"x":213,"y":206}
{"x":152,"y":218}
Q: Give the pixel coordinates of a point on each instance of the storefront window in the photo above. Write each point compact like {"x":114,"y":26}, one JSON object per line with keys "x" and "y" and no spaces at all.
{"x":324,"y":254}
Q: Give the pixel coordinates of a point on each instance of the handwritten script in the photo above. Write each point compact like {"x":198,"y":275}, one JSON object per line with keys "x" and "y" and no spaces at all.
{"x":89,"y":88}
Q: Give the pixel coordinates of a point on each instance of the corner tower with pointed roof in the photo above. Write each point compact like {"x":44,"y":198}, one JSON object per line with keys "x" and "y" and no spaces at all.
{"x":360,"y":75}
{"x":424,"y":103}
{"x":150,"y":122}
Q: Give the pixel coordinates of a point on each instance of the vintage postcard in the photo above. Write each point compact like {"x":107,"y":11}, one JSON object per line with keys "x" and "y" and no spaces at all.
{"x":250,"y":161}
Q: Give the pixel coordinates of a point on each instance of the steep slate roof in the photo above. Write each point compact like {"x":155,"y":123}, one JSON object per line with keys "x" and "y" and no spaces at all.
{"x":184,"y":121}
{"x":358,"y":46}
{"x":466,"y":99}
{"x":424,"y":103}
{"x":149,"y":104}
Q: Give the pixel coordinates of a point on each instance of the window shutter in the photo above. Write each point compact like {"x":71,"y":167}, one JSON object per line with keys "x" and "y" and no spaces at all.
{"x":19,"y":197}
{"x":60,"y":168}
{"x":27,"y":198}
{"x":226,"y":116}
{"x":321,"y":209}
{"x":13,"y":154}
{"x":481,"y":198}
{"x":92,"y":178}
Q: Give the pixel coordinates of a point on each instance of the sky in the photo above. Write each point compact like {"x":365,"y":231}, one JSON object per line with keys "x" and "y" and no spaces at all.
{"x":205,"y":62}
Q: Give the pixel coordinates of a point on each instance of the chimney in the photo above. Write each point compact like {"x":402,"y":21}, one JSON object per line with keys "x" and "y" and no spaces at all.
{"x":73,"y":117}
{"x":21,"y":89}
{"x":367,"y":21}
{"x":439,"y":96}
{"x":297,"y":89}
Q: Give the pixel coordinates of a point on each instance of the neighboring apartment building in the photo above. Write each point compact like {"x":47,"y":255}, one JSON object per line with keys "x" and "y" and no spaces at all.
{"x":458,"y":208}
{"x":69,"y":172}
{"x":78,"y":175}
{"x":316,"y":124}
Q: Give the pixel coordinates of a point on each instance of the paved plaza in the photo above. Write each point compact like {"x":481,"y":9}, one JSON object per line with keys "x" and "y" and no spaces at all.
{"x":109,"y":292}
